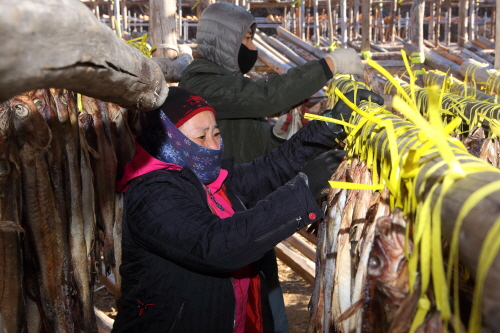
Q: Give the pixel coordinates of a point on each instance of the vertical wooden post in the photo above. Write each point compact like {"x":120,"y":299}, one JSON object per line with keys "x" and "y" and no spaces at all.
{"x":400,"y":34}
{"x":437,"y":32}
{"x":366,"y":35}
{"x":431,"y":22}
{"x":125,"y":16}
{"x":463,"y":10}
{"x":494,"y":24}
{"x":302,"y":10}
{"x":356,"y":18}
{"x":392,"y":15}
{"x":497,"y":33}
{"x":162,"y":28}
{"x":179,"y":17}
{"x":111,"y":13}
{"x":350,"y":26}
{"x":316,"y":22}
{"x":330,"y":20}
{"x":448,"y":24}
{"x":485,"y":23}
{"x":201,"y":7}
{"x":381,"y":22}
{"x":97,"y":14}
{"x":472,"y":19}
{"x":407,"y":25}
{"x":343,"y":22}
{"x":417,"y":35}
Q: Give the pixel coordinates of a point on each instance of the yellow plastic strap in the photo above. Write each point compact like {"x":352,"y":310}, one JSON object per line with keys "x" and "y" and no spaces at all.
{"x":328,"y":119}
{"x":366,"y":55}
{"x":354,"y":186}
{"x":417,"y":58}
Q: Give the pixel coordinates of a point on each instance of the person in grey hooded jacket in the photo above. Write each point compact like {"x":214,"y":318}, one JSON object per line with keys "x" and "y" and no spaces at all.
{"x":224,"y":36}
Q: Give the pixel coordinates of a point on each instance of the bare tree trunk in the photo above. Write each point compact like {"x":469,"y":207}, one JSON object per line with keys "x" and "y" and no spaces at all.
{"x":37,"y":52}
{"x":162,"y":28}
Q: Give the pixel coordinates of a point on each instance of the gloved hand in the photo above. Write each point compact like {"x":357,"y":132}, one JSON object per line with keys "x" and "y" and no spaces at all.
{"x":320,"y":170}
{"x":342,"y":111}
{"x":346,"y":61}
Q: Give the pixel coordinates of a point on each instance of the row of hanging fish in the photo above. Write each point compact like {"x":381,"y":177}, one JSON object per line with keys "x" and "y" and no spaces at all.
{"x":60,"y":217}
{"x":361,"y":268}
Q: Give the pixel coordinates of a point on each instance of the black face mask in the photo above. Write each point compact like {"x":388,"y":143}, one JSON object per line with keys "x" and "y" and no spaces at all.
{"x":246,"y":58}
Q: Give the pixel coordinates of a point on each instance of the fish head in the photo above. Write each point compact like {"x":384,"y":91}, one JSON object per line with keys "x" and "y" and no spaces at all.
{"x":388,"y":265}
{"x":30,"y":125}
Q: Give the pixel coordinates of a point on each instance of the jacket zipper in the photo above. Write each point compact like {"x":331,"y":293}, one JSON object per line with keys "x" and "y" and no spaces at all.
{"x":281,"y":227}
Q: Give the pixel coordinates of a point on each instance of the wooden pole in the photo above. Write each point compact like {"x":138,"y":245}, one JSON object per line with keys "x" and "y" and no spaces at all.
{"x":357,"y":26}
{"x":366,"y":35}
{"x":417,"y":35}
{"x":287,"y":35}
{"x":179,"y":17}
{"x":393,"y":14}
{"x":301,"y":20}
{"x":431,"y":22}
{"x":497,"y":33}
{"x":463,"y":10}
{"x":472,"y":20}
{"x":437,"y":32}
{"x":447,"y":26}
{"x":162,"y":28}
{"x":343,"y":23}
{"x":316,"y":23}
{"x":331,"y":24}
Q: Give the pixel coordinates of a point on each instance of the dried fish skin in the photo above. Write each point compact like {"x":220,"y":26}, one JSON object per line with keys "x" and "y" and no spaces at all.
{"x":41,"y":219}
{"x":104,"y":168}
{"x":12,"y":308}
{"x":77,"y":244}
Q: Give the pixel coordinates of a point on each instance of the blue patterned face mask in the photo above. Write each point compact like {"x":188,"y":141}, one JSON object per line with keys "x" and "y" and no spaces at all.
{"x":165,"y":142}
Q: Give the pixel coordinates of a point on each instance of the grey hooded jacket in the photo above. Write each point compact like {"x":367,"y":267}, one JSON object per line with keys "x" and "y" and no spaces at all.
{"x":241,"y":103}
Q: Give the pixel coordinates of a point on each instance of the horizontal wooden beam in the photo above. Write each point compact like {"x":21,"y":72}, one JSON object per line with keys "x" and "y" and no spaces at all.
{"x":300,"y":265}
{"x":307,"y":250}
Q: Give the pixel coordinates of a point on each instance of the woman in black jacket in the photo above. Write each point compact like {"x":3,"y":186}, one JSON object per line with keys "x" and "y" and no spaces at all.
{"x":190,"y":246}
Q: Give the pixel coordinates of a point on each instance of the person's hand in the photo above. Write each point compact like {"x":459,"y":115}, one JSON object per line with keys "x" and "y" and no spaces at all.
{"x":346,"y":61}
{"x":320,"y":170}
{"x":342,"y":111}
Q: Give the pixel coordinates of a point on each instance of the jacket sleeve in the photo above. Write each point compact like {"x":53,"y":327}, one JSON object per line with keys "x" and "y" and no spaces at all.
{"x":240,"y":97}
{"x":255,"y":180}
{"x":165,"y":220}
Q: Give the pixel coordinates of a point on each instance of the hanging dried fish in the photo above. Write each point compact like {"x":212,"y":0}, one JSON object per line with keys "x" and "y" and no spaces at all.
{"x":387,"y":281}
{"x":12,"y":310}
{"x":73,"y":181}
{"x":104,"y":170}
{"x":41,"y":219}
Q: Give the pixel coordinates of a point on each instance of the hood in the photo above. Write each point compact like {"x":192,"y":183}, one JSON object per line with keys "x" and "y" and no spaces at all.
{"x":220,"y":32}
{"x":141,"y":163}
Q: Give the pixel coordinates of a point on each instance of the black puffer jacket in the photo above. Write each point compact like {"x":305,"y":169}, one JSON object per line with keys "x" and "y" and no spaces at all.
{"x":178,"y":255}
{"x":241,"y":103}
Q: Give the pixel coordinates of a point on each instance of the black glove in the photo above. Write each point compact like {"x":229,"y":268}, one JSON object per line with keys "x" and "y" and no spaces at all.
{"x":320,"y":170}
{"x":342,"y":111}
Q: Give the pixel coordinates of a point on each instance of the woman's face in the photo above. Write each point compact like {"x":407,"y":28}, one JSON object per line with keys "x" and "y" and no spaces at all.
{"x":202,"y":130}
